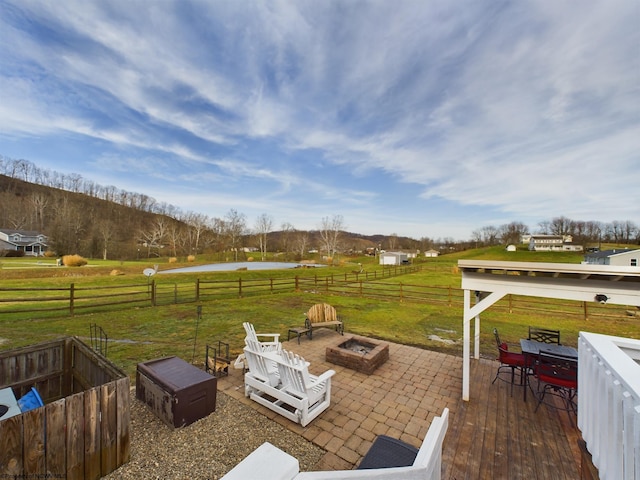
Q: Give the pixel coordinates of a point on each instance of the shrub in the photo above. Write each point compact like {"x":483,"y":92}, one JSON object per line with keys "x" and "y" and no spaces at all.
{"x":191,"y":258}
{"x":173,"y":260}
{"x":73,"y":261}
{"x":50,"y":254}
{"x":13,"y":253}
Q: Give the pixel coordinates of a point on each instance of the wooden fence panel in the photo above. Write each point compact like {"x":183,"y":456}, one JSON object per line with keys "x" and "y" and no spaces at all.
{"x":123,"y":401}
{"x":108,"y":433}
{"x":55,"y":438}
{"x":92,"y":434}
{"x":11,"y":463}
{"x":34,"y":452}
{"x":75,"y":436}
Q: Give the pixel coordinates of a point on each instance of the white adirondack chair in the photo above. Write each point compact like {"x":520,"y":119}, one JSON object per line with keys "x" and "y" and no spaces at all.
{"x":261,"y":369}
{"x":311,"y":395}
{"x":273,"y":345}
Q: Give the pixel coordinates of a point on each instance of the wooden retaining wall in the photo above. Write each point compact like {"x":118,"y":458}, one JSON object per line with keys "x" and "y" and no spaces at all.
{"x":83,"y":431}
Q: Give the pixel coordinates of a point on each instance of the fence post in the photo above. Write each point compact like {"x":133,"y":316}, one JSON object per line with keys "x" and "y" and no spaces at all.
{"x":360,"y":287}
{"x":240,"y":287}
{"x":450,"y":296}
{"x":271,"y":284}
{"x":400,"y":292}
{"x":510,"y":303}
{"x":586,"y":312}
{"x":297,"y":284}
{"x":153,"y":293}
{"x":197,"y":290}
{"x":175,"y":293}
{"x":326,"y":284}
{"x":71,"y":295}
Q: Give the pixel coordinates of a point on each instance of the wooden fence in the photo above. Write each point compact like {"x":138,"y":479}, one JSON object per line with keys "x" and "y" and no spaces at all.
{"x":22,"y":302}
{"x":83,"y":431}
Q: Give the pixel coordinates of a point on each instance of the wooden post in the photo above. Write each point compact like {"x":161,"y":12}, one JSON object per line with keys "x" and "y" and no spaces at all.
{"x":585,"y":309}
{"x":510,"y":303}
{"x":240,"y":287}
{"x":197,"y":290}
{"x":153,"y":293}
{"x":297,"y":283}
{"x":401,"y":292}
{"x":271,"y":284}
{"x":71,"y":294}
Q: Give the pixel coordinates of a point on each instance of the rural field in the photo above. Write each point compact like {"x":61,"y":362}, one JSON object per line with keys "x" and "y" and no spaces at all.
{"x":422,"y":319}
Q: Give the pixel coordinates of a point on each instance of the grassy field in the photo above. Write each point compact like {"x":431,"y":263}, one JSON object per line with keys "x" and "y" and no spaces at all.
{"x":141,"y":334}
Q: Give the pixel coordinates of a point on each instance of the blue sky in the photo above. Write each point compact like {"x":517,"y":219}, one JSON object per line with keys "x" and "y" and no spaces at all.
{"x":419,"y":118}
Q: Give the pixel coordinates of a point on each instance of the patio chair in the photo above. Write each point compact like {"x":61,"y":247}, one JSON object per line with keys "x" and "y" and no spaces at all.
{"x":544,"y":335}
{"x":261,"y":369}
{"x":510,"y":361}
{"x":557,"y":376}
{"x":273,"y":345}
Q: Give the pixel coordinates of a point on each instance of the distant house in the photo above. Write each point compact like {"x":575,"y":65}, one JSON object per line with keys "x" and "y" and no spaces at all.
{"x":431,"y":253}
{"x":553,"y":243}
{"x":511,"y":248}
{"x":394,"y":258}
{"x":30,"y":242}
{"x":625,"y":257}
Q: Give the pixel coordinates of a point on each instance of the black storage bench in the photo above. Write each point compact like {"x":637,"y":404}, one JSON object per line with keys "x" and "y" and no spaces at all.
{"x":176,"y":391}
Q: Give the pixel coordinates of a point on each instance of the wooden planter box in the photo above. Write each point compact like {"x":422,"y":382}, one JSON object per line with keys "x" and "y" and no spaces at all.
{"x":83,"y":431}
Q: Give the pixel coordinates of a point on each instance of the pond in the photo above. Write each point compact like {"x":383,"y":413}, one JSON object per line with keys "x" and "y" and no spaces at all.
{"x":230,"y":267}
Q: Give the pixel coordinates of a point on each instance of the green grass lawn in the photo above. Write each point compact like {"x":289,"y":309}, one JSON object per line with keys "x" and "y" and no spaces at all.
{"x":141,"y":334}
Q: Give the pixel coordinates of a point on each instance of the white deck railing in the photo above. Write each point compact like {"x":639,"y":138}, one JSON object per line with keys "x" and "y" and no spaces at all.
{"x":609,"y":403}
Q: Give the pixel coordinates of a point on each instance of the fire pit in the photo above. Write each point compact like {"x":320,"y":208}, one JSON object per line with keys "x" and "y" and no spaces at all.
{"x":358,"y":353}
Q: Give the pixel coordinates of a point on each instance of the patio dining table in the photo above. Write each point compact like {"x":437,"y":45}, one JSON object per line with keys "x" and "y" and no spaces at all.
{"x":531,"y":349}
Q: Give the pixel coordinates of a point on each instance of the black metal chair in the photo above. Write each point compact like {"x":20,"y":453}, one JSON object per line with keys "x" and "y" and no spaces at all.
{"x":510,"y":361}
{"x":557,"y":376}
{"x":544,"y":335}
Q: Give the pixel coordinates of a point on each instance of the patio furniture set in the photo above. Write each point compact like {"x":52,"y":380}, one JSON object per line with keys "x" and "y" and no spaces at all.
{"x":543,"y":357}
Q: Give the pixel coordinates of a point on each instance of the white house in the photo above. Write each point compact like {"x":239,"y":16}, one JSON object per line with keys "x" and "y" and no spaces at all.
{"x":394,"y":258}
{"x":431,"y":253}
{"x":622,"y":258}
{"x":30,"y":242}
{"x":553,"y":243}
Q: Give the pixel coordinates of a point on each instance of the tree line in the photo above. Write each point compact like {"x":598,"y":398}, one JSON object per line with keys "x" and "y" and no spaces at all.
{"x":82,"y":217}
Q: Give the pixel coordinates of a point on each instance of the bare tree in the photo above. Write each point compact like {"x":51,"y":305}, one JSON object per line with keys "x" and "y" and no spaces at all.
{"x":105,"y":230}
{"x":264,"y":225}
{"x":512,"y":232}
{"x":392,"y":240}
{"x":285,"y":238}
{"x":301,"y":240}
{"x":330,"y":233}
{"x":235,"y":227}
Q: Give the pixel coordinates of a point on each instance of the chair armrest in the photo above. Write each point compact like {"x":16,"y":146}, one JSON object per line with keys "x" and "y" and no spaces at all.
{"x":276,"y":336}
{"x":323,"y":378}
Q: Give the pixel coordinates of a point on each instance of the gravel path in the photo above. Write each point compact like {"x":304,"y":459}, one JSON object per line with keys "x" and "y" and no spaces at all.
{"x":208,"y":448}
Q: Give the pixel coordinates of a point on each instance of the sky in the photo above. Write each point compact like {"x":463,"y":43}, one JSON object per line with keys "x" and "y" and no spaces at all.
{"x":421,"y":118}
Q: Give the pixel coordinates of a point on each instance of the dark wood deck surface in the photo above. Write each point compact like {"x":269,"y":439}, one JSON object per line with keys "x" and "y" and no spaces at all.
{"x":493,"y":436}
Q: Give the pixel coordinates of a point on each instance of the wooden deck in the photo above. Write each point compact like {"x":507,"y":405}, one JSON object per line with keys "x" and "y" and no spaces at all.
{"x":497,"y":436}
{"x":493,"y":436}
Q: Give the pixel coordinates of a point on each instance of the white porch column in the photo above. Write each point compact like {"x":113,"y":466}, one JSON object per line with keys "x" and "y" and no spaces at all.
{"x":466,"y":347}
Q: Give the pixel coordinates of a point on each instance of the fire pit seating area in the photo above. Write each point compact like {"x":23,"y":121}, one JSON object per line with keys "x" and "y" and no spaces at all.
{"x":280,"y":380}
{"x":323,"y":315}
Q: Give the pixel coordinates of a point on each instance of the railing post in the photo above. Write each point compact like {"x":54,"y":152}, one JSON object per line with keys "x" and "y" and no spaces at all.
{"x":71,"y":298}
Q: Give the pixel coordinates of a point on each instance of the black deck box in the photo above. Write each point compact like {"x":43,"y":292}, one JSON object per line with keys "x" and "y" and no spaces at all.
{"x":176,"y":391}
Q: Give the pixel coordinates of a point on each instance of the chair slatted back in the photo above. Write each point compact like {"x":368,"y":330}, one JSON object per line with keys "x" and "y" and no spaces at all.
{"x":259,"y":366}
{"x":322,"y":312}
{"x":556,"y":369}
{"x":544,"y":335}
{"x":293,"y":372}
